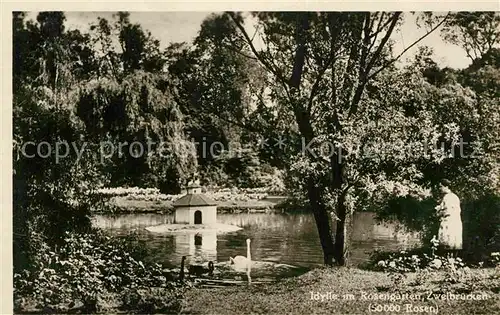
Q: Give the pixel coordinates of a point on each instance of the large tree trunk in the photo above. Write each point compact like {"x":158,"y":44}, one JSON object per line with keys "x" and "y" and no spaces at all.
{"x":322,"y":222}
{"x":343,"y":234}
{"x":344,"y":216}
{"x":303,"y":118}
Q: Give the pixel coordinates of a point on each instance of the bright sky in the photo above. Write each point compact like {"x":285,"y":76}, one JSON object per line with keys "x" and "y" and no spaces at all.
{"x":184,"y":26}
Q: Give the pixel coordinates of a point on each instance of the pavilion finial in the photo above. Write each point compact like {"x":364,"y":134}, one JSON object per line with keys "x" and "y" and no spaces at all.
{"x":193,"y":186}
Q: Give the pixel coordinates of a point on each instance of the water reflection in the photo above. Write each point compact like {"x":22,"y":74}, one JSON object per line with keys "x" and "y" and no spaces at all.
{"x":281,"y":238}
{"x":198,"y":247}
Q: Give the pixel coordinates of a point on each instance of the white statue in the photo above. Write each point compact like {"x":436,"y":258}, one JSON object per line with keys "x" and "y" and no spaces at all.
{"x":450,"y":229}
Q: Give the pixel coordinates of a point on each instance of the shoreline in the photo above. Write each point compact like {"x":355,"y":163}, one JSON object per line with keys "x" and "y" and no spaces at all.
{"x":129,"y":205}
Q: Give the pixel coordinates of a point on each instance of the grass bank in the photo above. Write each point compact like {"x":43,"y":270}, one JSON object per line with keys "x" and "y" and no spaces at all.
{"x":355,"y":291}
{"x":125,"y":204}
{"x":150,"y":200}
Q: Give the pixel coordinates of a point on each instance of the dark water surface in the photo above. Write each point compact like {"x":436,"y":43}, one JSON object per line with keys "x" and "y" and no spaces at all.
{"x":281,"y":238}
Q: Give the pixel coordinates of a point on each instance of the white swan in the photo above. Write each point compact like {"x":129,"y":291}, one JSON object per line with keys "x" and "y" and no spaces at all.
{"x":239,"y":262}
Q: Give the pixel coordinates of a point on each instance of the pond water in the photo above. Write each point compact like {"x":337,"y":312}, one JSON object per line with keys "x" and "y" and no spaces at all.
{"x":279,"y":238}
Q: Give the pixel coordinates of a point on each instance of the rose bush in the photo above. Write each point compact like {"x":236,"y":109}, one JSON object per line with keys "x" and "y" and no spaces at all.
{"x":86,"y":269}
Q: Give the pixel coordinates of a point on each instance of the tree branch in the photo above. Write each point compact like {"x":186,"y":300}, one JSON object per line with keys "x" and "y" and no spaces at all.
{"x":334,"y":36}
{"x":353,"y":59}
{"x":301,"y":51}
{"x":408,"y":48}
{"x":394,"y":20}
{"x":363,"y":69}
{"x":379,"y":29}
{"x":366,"y":45}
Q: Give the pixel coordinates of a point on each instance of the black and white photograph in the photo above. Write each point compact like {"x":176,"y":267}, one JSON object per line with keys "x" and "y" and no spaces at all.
{"x":255,"y":162}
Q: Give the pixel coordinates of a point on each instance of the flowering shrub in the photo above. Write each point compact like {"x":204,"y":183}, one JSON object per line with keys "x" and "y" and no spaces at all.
{"x":400,"y":263}
{"x":409,"y":262}
{"x":216,"y":193}
{"x":123,"y":191}
{"x":420,"y":259}
{"x":406,"y":262}
{"x":86,"y":268}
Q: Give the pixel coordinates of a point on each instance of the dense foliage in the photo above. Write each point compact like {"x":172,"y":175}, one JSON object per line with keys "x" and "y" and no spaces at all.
{"x":94,"y":273}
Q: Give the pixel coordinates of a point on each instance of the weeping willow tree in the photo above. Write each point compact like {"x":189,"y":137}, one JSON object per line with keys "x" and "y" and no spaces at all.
{"x":129,"y":109}
{"x":140,"y":130}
